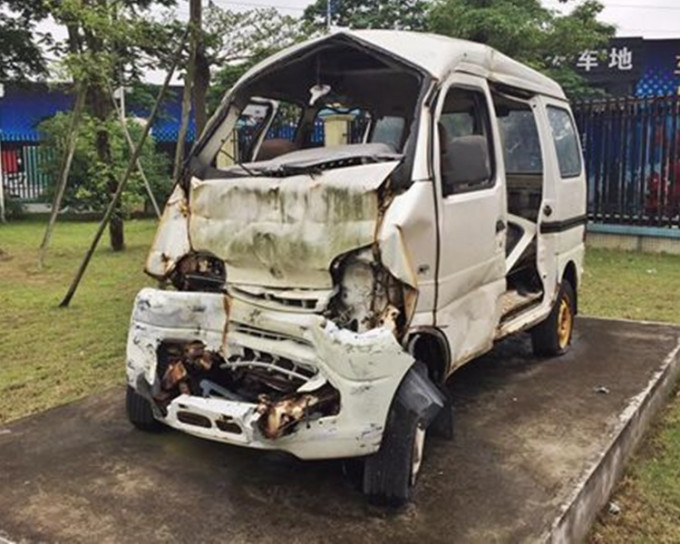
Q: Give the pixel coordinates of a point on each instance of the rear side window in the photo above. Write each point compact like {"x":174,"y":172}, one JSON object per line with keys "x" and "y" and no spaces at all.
{"x":566,"y":142}
{"x":521,"y":144}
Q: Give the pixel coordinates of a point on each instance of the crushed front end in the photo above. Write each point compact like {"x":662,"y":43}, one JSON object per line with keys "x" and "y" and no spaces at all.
{"x":249,"y":344}
{"x":224,"y":369}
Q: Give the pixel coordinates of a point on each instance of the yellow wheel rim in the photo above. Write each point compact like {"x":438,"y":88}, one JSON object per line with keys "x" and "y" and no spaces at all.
{"x":565,"y":322}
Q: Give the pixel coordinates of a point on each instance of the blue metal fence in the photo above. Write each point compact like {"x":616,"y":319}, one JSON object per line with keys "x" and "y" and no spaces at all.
{"x":632,"y":152}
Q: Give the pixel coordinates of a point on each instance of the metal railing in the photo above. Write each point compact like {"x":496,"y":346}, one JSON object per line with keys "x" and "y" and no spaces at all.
{"x":632,"y":153}
{"x":23,"y":176}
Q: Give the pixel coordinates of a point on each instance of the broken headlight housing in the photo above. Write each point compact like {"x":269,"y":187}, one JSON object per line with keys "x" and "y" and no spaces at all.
{"x":366,"y":294}
{"x":199,"y":272}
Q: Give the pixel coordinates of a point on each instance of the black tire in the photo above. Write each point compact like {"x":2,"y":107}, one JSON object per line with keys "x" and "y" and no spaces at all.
{"x":139,"y":412}
{"x":442,"y":425}
{"x":553,"y":336}
{"x":388,"y":478}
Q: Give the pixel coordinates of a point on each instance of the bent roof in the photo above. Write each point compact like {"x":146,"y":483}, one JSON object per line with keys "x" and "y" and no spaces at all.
{"x":438,"y":56}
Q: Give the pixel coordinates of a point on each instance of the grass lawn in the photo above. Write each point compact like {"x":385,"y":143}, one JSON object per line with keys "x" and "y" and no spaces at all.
{"x":50,"y":356}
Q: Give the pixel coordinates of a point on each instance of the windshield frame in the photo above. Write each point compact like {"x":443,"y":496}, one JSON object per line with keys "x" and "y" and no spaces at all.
{"x":237,"y":99}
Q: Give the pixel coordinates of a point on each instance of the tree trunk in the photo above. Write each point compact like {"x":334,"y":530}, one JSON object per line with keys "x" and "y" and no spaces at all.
{"x":189,"y":78}
{"x":101,"y":109}
{"x":200,"y":90}
{"x":201,"y":72}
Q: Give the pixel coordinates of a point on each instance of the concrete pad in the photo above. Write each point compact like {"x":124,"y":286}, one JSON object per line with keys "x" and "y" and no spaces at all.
{"x":536,"y":452}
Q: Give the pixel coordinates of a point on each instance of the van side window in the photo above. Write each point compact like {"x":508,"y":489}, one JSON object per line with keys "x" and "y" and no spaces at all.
{"x":465,"y":143}
{"x":566,"y":142}
{"x":521,"y":143}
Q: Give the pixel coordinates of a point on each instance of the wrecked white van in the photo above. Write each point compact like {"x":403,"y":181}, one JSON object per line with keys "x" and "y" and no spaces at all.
{"x":317,"y":290}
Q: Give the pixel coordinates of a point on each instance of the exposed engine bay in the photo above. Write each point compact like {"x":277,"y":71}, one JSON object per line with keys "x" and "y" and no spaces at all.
{"x":367,"y":295}
{"x":250,"y":376}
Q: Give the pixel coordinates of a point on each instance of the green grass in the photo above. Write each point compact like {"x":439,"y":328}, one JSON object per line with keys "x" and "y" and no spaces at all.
{"x":631,"y":285}
{"x":49,"y":356}
{"x":649,"y":493}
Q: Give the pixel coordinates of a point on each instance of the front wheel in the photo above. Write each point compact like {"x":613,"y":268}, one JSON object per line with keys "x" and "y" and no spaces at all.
{"x":139,"y":412}
{"x":553,"y":336}
{"x":390,"y":474}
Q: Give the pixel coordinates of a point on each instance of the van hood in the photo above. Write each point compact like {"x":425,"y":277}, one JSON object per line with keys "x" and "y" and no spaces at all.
{"x":281,"y":232}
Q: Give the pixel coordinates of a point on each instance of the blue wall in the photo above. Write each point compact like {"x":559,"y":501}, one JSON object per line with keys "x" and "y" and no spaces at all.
{"x":22,"y":110}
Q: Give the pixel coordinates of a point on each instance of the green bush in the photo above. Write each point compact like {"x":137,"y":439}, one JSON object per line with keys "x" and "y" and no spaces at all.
{"x":14,"y":209}
{"x":88,"y":178}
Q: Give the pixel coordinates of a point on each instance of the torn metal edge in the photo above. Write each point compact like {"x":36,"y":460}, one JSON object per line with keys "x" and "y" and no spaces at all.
{"x":594,"y":488}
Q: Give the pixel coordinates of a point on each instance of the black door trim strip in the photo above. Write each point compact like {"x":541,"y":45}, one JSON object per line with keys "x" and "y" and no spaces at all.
{"x":560,"y":226}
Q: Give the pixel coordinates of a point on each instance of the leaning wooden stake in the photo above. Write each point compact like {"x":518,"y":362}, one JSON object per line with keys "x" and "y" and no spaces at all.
{"x":64,"y":171}
{"x":131,"y":145}
{"x":123,"y":181}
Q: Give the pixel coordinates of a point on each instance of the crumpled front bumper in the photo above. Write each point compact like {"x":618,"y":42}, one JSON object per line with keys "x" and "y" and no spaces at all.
{"x":365,"y":368}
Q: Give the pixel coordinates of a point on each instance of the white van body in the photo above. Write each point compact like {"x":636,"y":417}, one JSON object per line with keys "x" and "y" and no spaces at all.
{"x":314,"y":287}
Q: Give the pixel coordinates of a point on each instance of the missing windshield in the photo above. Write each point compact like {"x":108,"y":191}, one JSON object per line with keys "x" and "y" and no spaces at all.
{"x":341,"y":105}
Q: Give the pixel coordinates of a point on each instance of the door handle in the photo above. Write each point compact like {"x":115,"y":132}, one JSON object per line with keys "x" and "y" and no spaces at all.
{"x":500,"y":226}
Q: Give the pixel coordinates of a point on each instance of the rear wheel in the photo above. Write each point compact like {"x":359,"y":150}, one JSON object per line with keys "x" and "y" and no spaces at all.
{"x":553,"y":336}
{"x":139,"y":411}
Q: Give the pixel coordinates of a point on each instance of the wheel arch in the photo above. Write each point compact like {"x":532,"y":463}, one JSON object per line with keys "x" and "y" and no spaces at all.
{"x":430,"y":346}
{"x":570,"y":274}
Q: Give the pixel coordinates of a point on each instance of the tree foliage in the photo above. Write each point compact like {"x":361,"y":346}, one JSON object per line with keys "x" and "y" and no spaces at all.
{"x":89,"y":176}
{"x":107,"y":46}
{"x":361,"y":14}
{"x":21,"y":46}
{"x":233,"y":41}
{"x":527,"y":31}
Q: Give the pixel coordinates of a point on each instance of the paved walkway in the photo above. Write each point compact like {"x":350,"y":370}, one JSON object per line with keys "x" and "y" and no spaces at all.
{"x":526,"y":431}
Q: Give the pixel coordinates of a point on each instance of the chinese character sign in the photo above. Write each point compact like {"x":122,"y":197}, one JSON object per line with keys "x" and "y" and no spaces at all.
{"x":588,"y":60}
{"x":618,"y":63}
{"x":621,"y":58}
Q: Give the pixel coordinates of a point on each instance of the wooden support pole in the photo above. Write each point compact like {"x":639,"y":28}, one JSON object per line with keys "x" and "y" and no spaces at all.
{"x":123,"y":181}
{"x":65,"y":169}
{"x":121,"y":115}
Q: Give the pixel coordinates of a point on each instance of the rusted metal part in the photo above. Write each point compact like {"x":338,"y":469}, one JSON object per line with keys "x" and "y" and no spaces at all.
{"x":365,"y":368}
{"x":247,"y":375}
{"x":280,"y":417}
{"x":182,"y":362}
{"x":175,"y":373}
{"x":199,"y":272}
{"x":388,"y":318}
{"x":366,"y":292}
